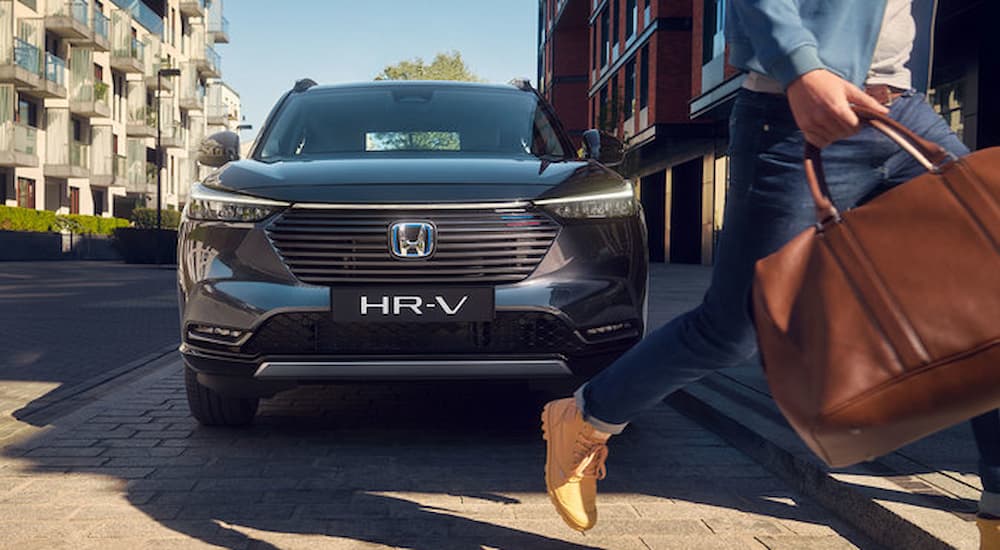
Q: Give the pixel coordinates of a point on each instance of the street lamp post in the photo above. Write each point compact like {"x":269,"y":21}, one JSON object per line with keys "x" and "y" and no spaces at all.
{"x":159,"y":154}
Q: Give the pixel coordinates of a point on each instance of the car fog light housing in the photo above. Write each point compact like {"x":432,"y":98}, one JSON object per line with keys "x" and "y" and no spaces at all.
{"x":218,"y":335}
{"x":616,"y":204}
{"x":610,"y":330}
{"x":213,"y":205}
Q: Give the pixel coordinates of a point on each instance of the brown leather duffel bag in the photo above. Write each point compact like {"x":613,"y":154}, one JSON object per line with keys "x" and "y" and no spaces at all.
{"x":881,"y":324}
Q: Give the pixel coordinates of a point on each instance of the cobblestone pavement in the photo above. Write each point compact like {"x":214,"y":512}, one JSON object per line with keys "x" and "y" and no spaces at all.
{"x":410,"y":466}
{"x":423,"y":466}
{"x":65,"y":323}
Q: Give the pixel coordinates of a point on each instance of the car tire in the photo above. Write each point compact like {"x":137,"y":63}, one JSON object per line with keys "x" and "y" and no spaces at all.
{"x":211,"y":408}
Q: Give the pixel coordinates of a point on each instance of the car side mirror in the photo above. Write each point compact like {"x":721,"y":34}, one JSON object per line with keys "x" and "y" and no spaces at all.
{"x":219,"y":148}
{"x":603,"y":147}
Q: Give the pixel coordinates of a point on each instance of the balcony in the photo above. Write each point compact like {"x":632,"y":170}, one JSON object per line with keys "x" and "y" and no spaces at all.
{"x":18,"y":145}
{"x":107,"y":170}
{"x":24,"y":68}
{"x":75,"y":165}
{"x":210,"y":66}
{"x":219,"y":30}
{"x":100,"y":38}
{"x":193,"y":8}
{"x":91,"y":100}
{"x":141,"y":178}
{"x":129,"y":57}
{"x":217,"y":115}
{"x":165,"y":83}
{"x":69,"y":19}
{"x":54,"y":82}
{"x":142,"y":14}
{"x":173,"y":137}
{"x":141,"y":123}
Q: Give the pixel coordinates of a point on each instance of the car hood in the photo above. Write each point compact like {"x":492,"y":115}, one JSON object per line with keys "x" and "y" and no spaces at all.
{"x":408,"y":180}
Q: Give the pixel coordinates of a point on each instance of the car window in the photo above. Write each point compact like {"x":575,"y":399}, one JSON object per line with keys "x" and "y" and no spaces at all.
{"x":412,"y":120}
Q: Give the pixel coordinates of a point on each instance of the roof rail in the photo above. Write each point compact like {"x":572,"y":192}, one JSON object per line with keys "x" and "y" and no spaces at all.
{"x":522,"y":84}
{"x":303,"y":85}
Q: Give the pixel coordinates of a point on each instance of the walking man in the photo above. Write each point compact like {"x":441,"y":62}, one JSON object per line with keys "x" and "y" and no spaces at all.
{"x":808,"y":61}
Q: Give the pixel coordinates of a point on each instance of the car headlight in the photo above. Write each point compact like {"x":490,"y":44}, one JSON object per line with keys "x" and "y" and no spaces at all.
{"x":214,"y":205}
{"x":616,"y":204}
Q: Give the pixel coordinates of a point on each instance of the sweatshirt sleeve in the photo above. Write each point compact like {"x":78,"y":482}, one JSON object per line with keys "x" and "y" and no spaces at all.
{"x":782,"y":45}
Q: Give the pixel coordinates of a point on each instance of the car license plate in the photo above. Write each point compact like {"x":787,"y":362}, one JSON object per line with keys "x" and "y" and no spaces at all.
{"x":406,"y":304}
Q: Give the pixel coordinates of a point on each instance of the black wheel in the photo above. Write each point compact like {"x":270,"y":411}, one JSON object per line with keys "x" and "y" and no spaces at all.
{"x":211,"y":408}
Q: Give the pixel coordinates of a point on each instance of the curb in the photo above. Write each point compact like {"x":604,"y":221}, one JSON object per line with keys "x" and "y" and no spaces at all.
{"x":884,"y":499}
{"x":66,"y":400}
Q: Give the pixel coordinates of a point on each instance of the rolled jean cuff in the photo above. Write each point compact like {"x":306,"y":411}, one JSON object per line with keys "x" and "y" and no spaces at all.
{"x":606,"y":427}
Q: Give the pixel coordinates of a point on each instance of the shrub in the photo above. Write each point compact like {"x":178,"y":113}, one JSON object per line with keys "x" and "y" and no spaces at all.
{"x":13,"y":218}
{"x":146,"y":218}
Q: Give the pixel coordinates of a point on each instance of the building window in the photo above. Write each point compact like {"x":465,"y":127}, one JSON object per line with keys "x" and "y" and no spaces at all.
{"x":644,"y":78}
{"x":25,"y":193}
{"x":631,"y":18}
{"x":27,"y":113}
{"x":74,"y":200}
{"x":614,"y":21}
{"x":605,"y":38}
{"x":602,"y":119}
{"x":616,"y":108}
{"x":714,"y":36}
{"x":629,"y":89}
{"x":100,"y":198}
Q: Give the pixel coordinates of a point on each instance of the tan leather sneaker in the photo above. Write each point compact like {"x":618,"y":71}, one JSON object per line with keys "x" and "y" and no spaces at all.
{"x":989,"y":532}
{"x":574,"y":461}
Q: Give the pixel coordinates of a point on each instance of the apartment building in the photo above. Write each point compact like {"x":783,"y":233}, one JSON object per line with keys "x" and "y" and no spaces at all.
{"x":625,"y":67}
{"x":82,"y":98}
{"x":657,"y":77}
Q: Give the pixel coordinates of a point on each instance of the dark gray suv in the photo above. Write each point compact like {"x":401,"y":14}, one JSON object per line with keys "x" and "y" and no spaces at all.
{"x":404,"y":231}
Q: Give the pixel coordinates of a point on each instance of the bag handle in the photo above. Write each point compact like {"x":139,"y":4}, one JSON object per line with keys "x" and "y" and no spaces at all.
{"x":929,"y":154}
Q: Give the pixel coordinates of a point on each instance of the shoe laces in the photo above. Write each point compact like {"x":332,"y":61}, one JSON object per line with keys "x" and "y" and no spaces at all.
{"x":589,"y":455}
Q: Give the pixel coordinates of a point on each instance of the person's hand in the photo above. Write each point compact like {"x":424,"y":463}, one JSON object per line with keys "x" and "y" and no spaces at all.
{"x":821,"y":103}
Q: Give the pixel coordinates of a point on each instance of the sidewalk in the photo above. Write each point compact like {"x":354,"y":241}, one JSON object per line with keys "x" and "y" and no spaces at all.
{"x":922,"y":496}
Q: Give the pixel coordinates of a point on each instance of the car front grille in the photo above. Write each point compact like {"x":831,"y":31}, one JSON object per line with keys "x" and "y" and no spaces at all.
{"x":483,"y":245}
{"x":509,"y":333}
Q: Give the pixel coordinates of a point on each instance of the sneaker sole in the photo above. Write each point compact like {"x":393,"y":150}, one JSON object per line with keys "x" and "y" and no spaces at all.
{"x":548,"y":486}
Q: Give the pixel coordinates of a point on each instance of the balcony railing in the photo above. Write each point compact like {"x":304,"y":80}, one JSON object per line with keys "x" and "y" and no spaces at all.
{"x":220,"y":25}
{"x":134,"y":49}
{"x":55,"y":69}
{"x":118,"y":169}
{"x":213,"y":58}
{"x":18,"y":138}
{"x":78,"y":9}
{"x":27,"y":56}
{"x":102,"y":25}
{"x":79,"y":154}
{"x":143,"y":15}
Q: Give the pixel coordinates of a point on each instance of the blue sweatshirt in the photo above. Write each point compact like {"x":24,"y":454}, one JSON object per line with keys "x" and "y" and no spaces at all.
{"x":785,"y":39}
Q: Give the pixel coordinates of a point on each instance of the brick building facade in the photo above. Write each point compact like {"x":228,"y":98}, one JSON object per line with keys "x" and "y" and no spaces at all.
{"x":654,"y":72}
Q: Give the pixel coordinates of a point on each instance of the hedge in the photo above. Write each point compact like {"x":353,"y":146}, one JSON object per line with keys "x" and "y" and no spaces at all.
{"x":13,"y":218}
{"x":145,"y":218}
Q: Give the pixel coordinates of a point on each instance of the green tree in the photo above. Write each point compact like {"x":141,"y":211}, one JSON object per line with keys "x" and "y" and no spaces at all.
{"x":446,"y":66}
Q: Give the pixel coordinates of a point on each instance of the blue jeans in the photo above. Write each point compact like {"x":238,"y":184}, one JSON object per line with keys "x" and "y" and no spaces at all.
{"x":767,"y":204}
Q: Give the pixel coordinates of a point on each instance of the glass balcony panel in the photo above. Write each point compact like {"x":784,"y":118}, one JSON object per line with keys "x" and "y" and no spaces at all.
{"x":79,"y":10}
{"x":27,"y":56}
{"x":213,"y":57}
{"x":55,"y":69}
{"x":25,"y":139}
{"x":102,"y":25}
{"x":120,"y":166}
{"x":79,"y":154}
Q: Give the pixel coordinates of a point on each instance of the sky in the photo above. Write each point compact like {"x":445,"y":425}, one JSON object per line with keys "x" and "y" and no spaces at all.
{"x":273,"y":43}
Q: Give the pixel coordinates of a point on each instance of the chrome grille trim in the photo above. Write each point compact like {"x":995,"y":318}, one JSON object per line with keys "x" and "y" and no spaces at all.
{"x":475,"y":245}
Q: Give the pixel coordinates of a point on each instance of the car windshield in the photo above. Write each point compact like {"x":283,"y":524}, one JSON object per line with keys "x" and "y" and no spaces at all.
{"x":411,"y":120}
